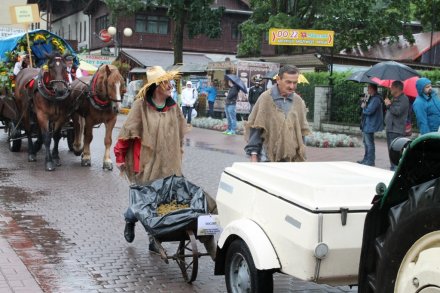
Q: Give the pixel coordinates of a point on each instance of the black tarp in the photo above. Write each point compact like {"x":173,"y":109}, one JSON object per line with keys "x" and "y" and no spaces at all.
{"x":145,"y":199}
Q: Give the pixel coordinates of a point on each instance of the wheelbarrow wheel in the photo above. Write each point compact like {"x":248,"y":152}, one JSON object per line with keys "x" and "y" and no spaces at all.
{"x":187,"y":257}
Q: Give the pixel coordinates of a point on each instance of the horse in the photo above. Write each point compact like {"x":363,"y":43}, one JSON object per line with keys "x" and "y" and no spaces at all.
{"x":99,"y":99}
{"x":42,"y":96}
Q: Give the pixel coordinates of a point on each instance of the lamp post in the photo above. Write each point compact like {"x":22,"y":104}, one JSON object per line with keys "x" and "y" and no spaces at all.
{"x":113,"y":31}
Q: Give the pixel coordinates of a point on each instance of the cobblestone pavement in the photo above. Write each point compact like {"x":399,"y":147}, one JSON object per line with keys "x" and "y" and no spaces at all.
{"x":66,"y":226}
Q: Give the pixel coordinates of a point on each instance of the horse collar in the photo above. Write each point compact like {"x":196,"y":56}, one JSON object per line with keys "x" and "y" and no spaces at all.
{"x":47,"y":93}
{"x":96,"y":100}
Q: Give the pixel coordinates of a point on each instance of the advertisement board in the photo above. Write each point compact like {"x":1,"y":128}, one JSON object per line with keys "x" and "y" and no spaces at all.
{"x":301,"y":37}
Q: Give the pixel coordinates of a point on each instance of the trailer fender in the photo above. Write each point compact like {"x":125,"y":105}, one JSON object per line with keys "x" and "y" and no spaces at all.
{"x":262,"y":250}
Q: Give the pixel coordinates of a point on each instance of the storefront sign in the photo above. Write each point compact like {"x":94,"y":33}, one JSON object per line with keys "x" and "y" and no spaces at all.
{"x":97,"y":60}
{"x":300,"y":37}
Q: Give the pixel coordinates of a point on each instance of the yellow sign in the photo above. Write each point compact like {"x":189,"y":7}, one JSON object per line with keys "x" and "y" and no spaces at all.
{"x":25,"y":13}
{"x":300,"y":37}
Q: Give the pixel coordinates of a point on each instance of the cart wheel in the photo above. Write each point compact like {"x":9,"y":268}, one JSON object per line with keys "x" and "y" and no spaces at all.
{"x":189,"y":268}
{"x":14,"y":144}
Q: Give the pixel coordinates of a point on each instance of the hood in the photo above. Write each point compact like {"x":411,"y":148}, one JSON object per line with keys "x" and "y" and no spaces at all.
{"x":420,"y":85}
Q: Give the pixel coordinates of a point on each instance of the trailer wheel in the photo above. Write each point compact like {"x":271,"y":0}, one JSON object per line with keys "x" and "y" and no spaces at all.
{"x":14,"y":142}
{"x":407,"y":255}
{"x":241,"y":274}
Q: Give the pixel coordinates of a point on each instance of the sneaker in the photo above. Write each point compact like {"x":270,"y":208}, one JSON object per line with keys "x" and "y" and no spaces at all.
{"x":129,"y":231}
{"x":231,"y":133}
{"x":361,"y":162}
{"x":226,"y":132}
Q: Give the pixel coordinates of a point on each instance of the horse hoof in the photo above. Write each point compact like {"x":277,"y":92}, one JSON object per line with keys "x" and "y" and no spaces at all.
{"x":50,"y":166}
{"x":32,"y":158}
{"x":77,"y":153}
{"x":107,"y":166}
{"x":57,"y":162}
{"x":86,"y":163}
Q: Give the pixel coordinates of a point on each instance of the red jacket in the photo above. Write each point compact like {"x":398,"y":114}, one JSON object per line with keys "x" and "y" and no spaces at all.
{"x":121,"y":149}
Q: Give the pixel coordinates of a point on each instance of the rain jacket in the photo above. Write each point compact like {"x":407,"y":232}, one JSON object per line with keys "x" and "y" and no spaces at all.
{"x":426,"y":108}
{"x":372,"y":115}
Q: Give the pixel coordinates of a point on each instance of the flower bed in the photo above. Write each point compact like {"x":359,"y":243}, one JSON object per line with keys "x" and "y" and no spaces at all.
{"x":316,"y":139}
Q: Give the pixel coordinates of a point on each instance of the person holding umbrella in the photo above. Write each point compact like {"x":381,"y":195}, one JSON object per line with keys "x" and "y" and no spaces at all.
{"x":396,"y":114}
{"x":235,"y":85}
{"x":277,"y":125}
{"x":371,"y":122}
{"x":427,"y":107}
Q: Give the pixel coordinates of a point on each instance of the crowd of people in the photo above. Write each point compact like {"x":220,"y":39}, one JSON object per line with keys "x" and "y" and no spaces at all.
{"x":150,"y":142}
{"x":393,"y":114}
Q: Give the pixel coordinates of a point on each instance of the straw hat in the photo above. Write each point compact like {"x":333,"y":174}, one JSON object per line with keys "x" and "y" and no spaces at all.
{"x":156,"y":74}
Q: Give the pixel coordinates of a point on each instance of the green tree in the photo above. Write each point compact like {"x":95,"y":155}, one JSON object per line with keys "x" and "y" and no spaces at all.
{"x":196,"y":15}
{"x":363,"y":22}
{"x":427,"y":11}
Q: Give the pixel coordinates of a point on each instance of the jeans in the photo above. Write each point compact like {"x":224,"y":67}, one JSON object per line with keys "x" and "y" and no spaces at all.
{"x":390,"y":137}
{"x":211,"y":109}
{"x":187,"y":113}
{"x":370,"y":150}
{"x":231,"y":115}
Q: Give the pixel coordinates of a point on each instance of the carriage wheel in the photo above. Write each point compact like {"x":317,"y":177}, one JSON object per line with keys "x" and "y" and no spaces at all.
{"x":188,"y":249}
{"x":14,"y":144}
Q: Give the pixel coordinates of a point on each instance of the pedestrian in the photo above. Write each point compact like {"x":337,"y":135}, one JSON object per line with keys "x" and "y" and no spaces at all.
{"x":189,"y":98}
{"x":371,"y":122}
{"x":174,"y":94}
{"x":255,"y":92}
{"x":427,"y":107}
{"x":277,"y":125}
{"x":211,"y":93}
{"x":396,"y":115}
{"x":149,"y":145}
{"x":73,"y":72}
{"x":230,"y":108}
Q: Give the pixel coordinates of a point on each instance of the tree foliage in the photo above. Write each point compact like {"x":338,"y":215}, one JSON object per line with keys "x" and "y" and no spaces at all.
{"x":363,"y":22}
{"x":427,"y":12}
{"x":196,"y":15}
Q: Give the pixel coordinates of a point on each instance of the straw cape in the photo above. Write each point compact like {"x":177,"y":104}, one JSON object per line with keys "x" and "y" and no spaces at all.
{"x":156,"y":74}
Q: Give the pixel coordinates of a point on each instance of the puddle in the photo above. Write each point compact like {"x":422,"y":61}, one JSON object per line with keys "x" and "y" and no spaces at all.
{"x":40,"y":247}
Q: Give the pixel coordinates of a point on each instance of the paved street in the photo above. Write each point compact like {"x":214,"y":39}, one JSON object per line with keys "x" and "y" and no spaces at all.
{"x":66,"y":226}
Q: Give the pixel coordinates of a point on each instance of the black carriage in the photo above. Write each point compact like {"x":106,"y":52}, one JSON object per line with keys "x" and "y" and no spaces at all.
{"x":180,"y":225}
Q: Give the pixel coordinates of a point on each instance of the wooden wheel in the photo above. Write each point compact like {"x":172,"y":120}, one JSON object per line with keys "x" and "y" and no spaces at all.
{"x":188,"y":249}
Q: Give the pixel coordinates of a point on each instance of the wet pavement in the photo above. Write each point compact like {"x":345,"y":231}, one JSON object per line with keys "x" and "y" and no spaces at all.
{"x":66,"y":226}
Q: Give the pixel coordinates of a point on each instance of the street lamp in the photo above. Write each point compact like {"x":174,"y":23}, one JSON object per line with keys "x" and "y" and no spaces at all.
{"x":128,"y":32}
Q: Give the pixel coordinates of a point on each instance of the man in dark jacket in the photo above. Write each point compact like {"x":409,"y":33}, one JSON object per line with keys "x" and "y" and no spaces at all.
{"x":255,"y":92}
{"x":395,"y":117}
{"x":372,"y":121}
{"x":230,"y":108}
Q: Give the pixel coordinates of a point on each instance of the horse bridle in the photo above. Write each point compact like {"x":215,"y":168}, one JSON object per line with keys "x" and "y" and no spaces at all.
{"x":51,"y":94}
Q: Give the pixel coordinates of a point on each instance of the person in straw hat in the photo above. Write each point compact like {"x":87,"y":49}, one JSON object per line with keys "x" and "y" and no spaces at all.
{"x":149,"y":145}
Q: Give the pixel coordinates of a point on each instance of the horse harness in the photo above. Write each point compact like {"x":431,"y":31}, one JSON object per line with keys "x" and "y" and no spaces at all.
{"x":94,"y":98}
{"x":44,"y":85}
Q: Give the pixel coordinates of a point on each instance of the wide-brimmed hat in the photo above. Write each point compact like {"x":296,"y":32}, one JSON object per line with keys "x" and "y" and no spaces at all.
{"x":156,"y":74}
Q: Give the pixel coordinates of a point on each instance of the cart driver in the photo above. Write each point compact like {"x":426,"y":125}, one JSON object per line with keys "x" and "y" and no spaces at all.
{"x":73,"y":72}
{"x":149,"y":145}
{"x":277,"y":125}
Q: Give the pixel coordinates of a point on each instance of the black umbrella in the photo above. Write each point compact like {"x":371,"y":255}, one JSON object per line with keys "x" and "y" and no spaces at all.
{"x":359,"y":76}
{"x":271,"y":74}
{"x":235,"y":79}
{"x":391,"y":70}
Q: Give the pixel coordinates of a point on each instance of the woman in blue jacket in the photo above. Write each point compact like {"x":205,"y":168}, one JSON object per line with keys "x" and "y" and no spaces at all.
{"x":427,"y":107}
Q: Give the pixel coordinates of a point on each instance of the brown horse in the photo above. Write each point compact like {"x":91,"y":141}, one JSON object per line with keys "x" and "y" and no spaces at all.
{"x":99,"y":98}
{"x":42,"y":96}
